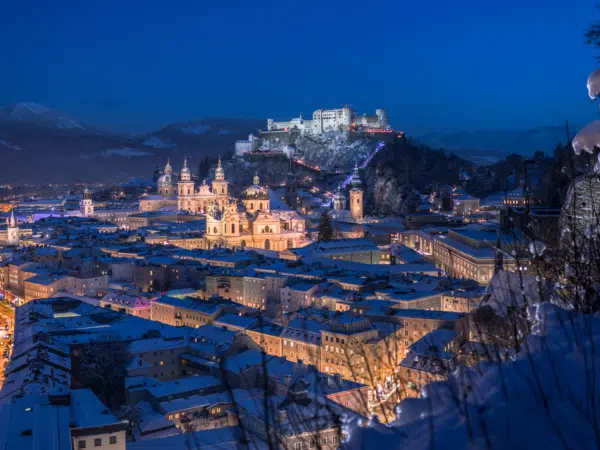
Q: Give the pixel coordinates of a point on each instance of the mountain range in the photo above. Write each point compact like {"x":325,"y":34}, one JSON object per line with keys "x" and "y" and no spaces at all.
{"x":39,"y":144}
{"x":486,"y":146}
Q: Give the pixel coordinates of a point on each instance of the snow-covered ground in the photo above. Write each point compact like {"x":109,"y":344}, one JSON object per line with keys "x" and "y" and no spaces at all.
{"x":333,"y":150}
{"x":546,"y":398}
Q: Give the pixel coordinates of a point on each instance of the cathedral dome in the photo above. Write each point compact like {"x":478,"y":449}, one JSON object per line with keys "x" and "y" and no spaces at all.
{"x":166,"y":179}
{"x":256,"y":191}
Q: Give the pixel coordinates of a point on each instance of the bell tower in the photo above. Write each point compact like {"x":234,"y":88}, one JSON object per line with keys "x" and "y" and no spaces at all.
{"x":356,"y":196}
{"x":86,"y":206}
{"x":12,"y":230}
{"x":220,"y":185}
{"x":185,"y":188}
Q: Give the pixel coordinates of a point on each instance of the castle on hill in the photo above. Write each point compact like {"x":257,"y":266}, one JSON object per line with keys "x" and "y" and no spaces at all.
{"x":332,"y":120}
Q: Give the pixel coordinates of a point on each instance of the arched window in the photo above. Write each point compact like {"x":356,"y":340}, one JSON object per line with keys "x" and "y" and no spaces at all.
{"x":215,"y":230}
{"x":290,"y":243}
{"x":261,"y":205}
{"x":267,"y":229}
{"x":222,"y":190}
{"x":189,"y":192}
{"x":358,"y":200}
{"x":251,"y":205}
{"x":233,"y":227}
{"x":267,"y":245}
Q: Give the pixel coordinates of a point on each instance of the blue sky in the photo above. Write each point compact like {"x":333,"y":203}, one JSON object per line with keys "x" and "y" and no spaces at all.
{"x":436,"y":65}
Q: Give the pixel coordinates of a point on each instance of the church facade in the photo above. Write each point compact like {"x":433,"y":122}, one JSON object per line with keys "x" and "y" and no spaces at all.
{"x":247,"y":222}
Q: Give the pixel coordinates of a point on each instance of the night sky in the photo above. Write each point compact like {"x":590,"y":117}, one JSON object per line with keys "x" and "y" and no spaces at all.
{"x":436,"y":65}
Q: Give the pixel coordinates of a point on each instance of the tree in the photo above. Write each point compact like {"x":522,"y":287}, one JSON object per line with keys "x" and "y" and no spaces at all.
{"x":102,"y":370}
{"x":592,"y":34}
{"x":325,"y":228}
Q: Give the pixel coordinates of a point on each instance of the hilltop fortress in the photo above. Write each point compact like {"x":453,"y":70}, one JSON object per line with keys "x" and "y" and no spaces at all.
{"x":332,"y":120}
{"x":281,"y":136}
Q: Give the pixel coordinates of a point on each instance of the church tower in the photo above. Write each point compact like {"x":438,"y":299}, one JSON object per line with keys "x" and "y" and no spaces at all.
{"x":219,"y":185}
{"x":86,"y":206}
{"x":339,"y":199}
{"x":356,"y":196}
{"x":185,"y":188}
{"x":12,"y":230}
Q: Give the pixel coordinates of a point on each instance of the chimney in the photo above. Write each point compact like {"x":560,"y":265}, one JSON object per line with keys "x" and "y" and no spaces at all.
{"x":338,"y":379}
{"x":331,"y":381}
{"x":281,"y":415}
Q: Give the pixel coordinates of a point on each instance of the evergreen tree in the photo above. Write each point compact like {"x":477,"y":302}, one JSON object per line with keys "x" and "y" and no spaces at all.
{"x":325,"y":228}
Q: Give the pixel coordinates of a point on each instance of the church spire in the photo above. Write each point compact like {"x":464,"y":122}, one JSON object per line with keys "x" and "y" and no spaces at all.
{"x":256,"y":180}
{"x":219,"y":172}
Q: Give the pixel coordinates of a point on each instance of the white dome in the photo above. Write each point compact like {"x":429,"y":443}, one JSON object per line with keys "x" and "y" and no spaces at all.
{"x":166,"y":179}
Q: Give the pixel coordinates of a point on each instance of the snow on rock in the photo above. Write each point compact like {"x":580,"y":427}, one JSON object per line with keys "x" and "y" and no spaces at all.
{"x":545,"y":398}
{"x":195,"y":129}
{"x":9,"y":145}
{"x":593,"y":84}
{"x":588,"y":138}
{"x":333,"y":150}
{"x":125,"y":151}
{"x":157,"y":142}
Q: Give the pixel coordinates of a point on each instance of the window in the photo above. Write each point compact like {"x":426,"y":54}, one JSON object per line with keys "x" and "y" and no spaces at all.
{"x":298,"y":445}
{"x":112,"y":440}
{"x":324,"y":441}
{"x":81,"y":444}
{"x":98,"y":442}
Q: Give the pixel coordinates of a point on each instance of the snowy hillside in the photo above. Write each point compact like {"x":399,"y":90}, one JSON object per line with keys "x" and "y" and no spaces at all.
{"x":333,"y":150}
{"x":546,"y":398}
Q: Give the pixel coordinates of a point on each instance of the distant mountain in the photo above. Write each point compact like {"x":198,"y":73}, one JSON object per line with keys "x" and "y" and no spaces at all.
{"x":40,"y":144}
{"x":39,"y":115}
{"x":492,"y":145}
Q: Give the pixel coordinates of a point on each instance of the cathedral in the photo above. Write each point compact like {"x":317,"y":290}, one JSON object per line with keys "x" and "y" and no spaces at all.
{"x":231,"y":222}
